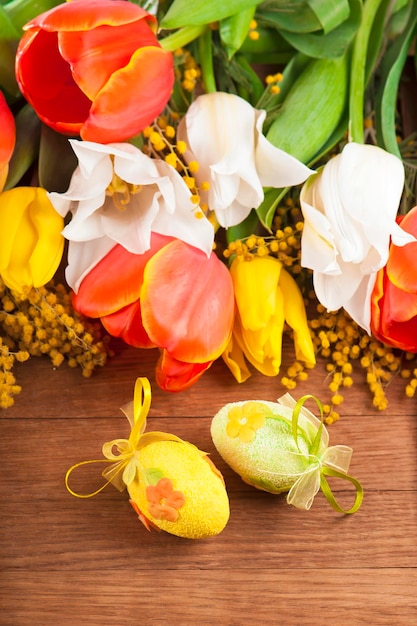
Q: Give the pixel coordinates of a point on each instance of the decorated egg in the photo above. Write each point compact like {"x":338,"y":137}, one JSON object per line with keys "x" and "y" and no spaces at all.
{"x":179,"y":491}
{"x":173,"y":486}
{"x":282,"y":447}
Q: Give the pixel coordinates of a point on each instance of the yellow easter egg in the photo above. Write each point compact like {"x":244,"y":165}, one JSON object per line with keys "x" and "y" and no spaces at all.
{"x":255,"y":439}
{"x":183,"y":494}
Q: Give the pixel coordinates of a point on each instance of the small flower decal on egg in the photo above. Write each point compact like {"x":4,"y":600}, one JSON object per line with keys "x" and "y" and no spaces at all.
{"x":164,"y":501}
{"x":244,"y":420}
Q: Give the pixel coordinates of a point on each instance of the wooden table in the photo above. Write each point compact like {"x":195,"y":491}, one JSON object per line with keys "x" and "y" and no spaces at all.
{"x":67,"y":561}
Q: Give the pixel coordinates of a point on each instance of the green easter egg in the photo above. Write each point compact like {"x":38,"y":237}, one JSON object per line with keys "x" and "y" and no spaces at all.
{"x":255,"y":439}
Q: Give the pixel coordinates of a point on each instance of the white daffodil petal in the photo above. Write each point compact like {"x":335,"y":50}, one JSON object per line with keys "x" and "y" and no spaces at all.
{"x":133,"y":226}
{"x":371,"y":180}
{"x":400,"y":237}
{"x":318,"y":250}
{"x":189,"y":223}
{"x":82,"y":257}
{"x":333,"y":291}
{"x":370,"y":186}
{"x":223,"y":133}
{"x":352,"y":205}
{"x":117,"y":193}
{"x":358,"y":306}
{"x":275,"y":167}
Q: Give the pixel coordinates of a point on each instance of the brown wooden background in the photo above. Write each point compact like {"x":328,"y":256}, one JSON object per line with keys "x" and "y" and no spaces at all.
{"x":66,"y":561}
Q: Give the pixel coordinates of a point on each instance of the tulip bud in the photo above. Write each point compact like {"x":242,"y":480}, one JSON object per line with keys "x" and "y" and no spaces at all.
{"x":31,"y":244}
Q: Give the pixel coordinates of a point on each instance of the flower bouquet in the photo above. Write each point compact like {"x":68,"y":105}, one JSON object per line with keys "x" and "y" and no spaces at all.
{"x":205,"y":179}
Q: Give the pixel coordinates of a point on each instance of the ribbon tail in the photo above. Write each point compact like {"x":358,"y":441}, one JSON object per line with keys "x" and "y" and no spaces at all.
{"x":303,"y":491}
{"x":325,"y":487}
{"x":114,"y":474}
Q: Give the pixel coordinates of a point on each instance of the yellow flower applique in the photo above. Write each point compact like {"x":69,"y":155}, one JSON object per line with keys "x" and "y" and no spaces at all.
{"x":245,"y":419}
{"x":164,"y":501}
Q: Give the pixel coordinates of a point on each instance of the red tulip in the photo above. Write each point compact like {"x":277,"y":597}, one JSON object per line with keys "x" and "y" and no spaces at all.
{"x":172,"y":297}
{"x":394,"y":297}
{"x":7,"y":139}
{"x":95,"y":69}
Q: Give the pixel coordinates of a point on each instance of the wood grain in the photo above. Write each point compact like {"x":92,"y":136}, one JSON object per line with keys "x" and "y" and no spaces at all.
{"x":66,"y":561}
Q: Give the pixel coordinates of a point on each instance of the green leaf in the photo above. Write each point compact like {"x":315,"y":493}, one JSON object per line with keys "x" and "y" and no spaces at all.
{"x":256,"y":86}
{"x":295,"y":17}
{"x":7,"y":73}
{"x":7,"y":29}
{"x":399,"y":19}
{"x":269,"y":45}
{"x":57,"y":161}
{"x":291,"y":73}
{"x":28,"y":129}
{"x":312,"y":110}
{"x":358,"y":70}
{"x":330,"y":13}
{"x":203,"y":12}
{"x":153,"y":475}
{"x":331,"y":45}
{"x":244,"y":229}
{"x":391,"y":69}
{"x":336,"y":137}
{"x":234,"y":30}
{"x":266,"y":211}
{"x":22,"y":11}
{"x":376,"y":38}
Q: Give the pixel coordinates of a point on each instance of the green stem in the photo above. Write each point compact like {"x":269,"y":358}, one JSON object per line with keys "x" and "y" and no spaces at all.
{"x":205,"y":51}
{"x":357,"y":77}
{"x":182,"y":37}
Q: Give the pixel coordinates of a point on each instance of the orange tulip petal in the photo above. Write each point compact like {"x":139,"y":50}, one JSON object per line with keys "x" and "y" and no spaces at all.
{"x":81,"y":15}
{"x":394,"y":315}
{"x":127,"y":324}
{"x":60,"y":103}
{"x":53,"y":92}
{"x":132,"y":98}
{"x":377,"y":299}
{"x":401,"y":265}
{"x":94,"y":55}
{"x":399,"y":306}
{"x":188,"y":303}
{"x":116,"y":281}
{"x":8,"y":133}
{"x":173,"y":375}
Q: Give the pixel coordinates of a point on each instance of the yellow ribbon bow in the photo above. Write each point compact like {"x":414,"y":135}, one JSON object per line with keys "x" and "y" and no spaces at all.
{"x":124,"y":453}
{"x":323,"y":460}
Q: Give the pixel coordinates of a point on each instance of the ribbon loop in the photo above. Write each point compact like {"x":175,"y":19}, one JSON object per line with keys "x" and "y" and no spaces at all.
{"x":84,"y":495}
{"x":325,"y":487}
{"x":323,"y":460}
{"x":124,"y":462}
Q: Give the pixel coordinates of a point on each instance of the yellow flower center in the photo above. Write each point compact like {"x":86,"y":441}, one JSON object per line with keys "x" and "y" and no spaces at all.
{"x":121,"y":191}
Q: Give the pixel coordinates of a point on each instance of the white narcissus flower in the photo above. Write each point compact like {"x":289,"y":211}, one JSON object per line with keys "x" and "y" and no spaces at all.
{"x":350,"y":210}
{"x":223,"y":133}
{"x":119,"y":195}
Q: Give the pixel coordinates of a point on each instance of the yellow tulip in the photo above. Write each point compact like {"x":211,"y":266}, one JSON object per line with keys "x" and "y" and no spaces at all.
{"x":31,"y":244}
{"x":266,"y":297}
